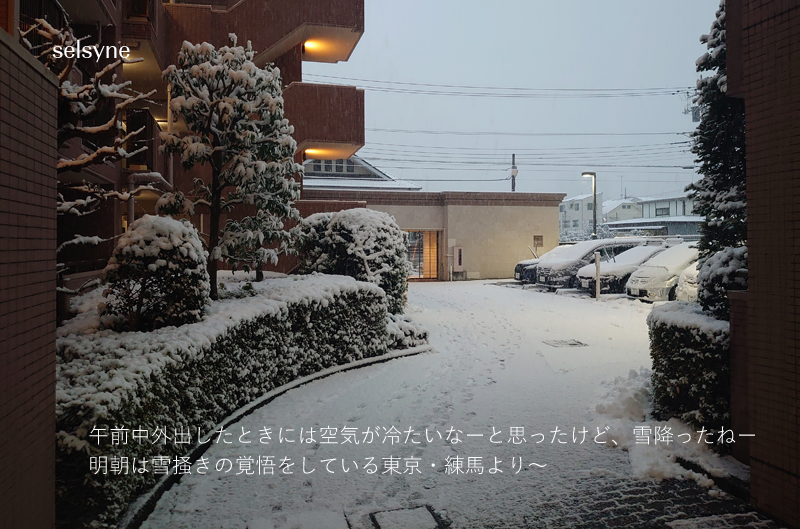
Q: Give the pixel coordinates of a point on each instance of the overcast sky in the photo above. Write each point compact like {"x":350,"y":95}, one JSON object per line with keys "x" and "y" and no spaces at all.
{"x":626,"y":46}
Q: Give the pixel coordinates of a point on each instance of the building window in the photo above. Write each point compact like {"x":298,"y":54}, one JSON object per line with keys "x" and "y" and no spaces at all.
{"x":339,"y":166}
{"x":589,"y":206}
{"x":318,"y":167}
{"x":575,"y":223}
{"x":423,"y":252}
{"x":662,"y":212}
{"x":328,"y":166}
{"x":561,"y":207}
{"x":351,"y":167}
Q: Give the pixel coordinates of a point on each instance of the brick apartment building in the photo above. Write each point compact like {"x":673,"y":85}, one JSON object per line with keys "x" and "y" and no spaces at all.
{"x":285,"y":32}
{"x":764,"y":68}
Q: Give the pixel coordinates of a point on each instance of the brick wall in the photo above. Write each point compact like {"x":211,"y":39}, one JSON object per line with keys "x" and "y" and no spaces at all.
{"x":27,"y":289}
{"x":764,"y":59}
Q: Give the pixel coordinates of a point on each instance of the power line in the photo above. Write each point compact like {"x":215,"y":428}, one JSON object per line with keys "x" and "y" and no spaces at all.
{"x":531,"y":164}
{"x":523,"y":149}
{"x":513,"y":92}
{"x":476,"y":133}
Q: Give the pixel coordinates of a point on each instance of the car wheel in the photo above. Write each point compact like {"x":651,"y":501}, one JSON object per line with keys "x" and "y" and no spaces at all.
{"x":672,"y":293}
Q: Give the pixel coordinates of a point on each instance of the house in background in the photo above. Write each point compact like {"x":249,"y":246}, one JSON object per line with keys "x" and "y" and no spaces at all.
{"x":576,"y":213}
{"x":351,"y":173}
{"x":671,"y":215}
{"x":621,"y":209}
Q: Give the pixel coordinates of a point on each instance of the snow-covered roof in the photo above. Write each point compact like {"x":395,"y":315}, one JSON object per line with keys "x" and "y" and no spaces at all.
{"x":658,"y":220}
{"x":582,"y":197}
{"x":610,"y":205}
{"x":361,"y":175}
{"x":353,"y":183}
{"x":664,"y":199}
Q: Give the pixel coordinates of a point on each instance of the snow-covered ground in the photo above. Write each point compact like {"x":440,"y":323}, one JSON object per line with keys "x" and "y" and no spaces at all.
{"x":501,"y":362}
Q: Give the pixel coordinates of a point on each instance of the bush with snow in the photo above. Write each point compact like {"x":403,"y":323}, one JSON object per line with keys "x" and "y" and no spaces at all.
{"x":190,"y":378}
{"x":691,"y":365}
{"x":724,"y":271}
{"x":361,"y":243}
{"x":403,"y":332}
{"x":156,"y":276}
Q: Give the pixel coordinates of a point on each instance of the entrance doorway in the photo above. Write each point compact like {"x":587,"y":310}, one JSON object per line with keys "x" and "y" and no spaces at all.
{"x":423,"y":252}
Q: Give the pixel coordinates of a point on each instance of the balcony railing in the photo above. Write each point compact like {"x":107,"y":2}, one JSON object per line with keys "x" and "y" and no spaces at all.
{"x":30,"y":10}
{"x":148,"y":160}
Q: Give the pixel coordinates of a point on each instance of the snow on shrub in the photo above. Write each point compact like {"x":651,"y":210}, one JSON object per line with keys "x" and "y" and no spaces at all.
{"x":691,"y":365}
{"x":156,"y":276}
{"x":361,"y":243}
{"x":725,"y":270}
{"x":403,"y":332}
{"x":191,"y":377}
{"x":626,"y":406}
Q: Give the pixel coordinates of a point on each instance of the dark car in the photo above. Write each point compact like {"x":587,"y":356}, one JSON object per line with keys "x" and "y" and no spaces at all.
{"x":560,"y":272}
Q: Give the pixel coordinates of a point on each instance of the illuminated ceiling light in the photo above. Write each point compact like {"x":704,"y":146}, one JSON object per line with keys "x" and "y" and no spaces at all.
{"x":312,"y":45}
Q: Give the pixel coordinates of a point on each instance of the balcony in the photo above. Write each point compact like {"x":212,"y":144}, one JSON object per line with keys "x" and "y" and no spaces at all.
{"x":145,"y":32}
{"x":328,"y":119}
{"x":330,"y":28}
{"x":150,"y":160}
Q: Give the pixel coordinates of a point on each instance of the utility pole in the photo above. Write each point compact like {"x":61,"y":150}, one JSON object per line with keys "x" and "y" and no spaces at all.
{"x":514,"y":173}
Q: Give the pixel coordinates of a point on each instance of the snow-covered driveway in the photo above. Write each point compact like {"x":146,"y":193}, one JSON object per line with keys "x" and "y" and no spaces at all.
{"x":491,"y":372}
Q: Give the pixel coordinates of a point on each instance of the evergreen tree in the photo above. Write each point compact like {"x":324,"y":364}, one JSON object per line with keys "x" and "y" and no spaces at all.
{"x":234,"y":112}
{"x":719,"y":145}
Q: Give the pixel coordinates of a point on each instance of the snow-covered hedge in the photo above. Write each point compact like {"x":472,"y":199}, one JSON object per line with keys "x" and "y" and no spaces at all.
{"x":156,"y":276}
{"x":725,"y":270}
{"x":691,"y":365}
{"x":403,"y":332}
{"x":361,"y":243}
{"x":192,"y":376}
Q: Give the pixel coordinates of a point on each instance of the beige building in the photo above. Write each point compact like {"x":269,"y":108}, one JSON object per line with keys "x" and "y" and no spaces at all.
{"x":462,"y":235}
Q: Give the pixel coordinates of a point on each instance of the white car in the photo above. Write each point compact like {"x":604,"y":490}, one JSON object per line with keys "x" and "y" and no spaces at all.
{"x":615,"y":272}
{"x":657,"y":279}
{"x":687,"y":284}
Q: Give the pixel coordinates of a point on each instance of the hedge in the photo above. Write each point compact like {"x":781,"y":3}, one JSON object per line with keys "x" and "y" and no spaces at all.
{"x":195,"y":375}
{"x":691,"y":365}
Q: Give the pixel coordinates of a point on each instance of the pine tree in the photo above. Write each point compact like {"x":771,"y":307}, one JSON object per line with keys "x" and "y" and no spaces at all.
{"x":719,"y":145}
{"x":234,"y":112}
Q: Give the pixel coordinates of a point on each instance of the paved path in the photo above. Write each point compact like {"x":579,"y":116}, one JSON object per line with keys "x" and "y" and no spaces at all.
{"x":491,"y":372}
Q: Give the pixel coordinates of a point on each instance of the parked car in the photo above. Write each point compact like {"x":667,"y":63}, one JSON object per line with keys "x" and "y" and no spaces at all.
{"x":615,"y":272}
{"x":657,"y":279}
{"x":559,"y":272}
{"x":687,"y":284}
{"x":522,"y":265}
{"x":525,"y":271}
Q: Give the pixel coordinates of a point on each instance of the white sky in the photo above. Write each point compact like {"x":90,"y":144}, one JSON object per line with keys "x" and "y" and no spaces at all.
{"x":534,"y":44}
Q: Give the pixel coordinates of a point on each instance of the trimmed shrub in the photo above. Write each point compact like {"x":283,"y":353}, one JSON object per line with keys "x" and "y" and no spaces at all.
{"x":361,"y":243}
{"x":156,"y":276}
{"x":691,"y":365}
{"x":191,"y":377}
{"x":725,"y":270}
{"x":403,"y":332}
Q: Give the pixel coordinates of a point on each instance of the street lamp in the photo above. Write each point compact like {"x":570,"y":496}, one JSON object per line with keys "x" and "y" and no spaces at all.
{"x":587,"y":174}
